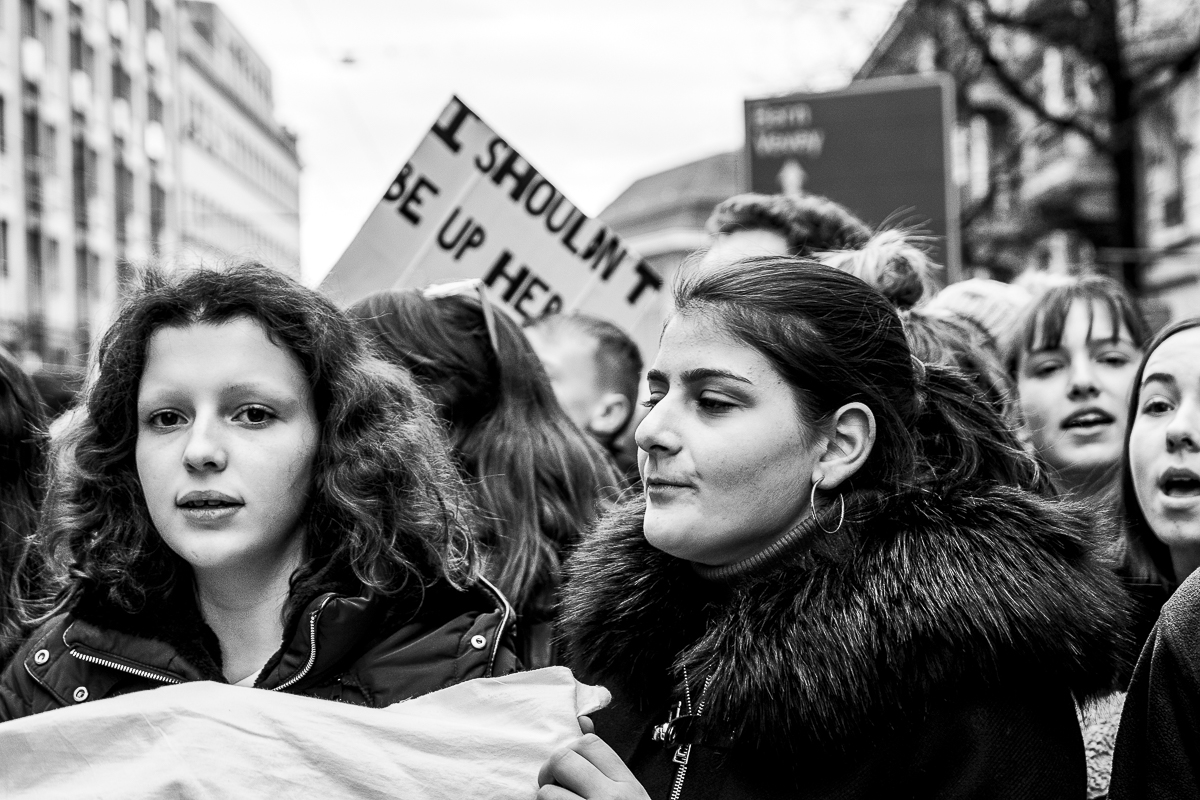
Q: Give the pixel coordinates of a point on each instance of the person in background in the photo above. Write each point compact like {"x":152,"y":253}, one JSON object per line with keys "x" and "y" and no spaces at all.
{"x":536,"y":478}
{"x":1160,"y":476}
{"x":777,"y":224}
{"x":594,"y":368}
{"x":1073,"y":356}
{"x":838,"y":582}
{"x":253,"y":498}
{"x":991,"y":304}
{"x":1158,"y":751}
{"x":23,"y":466}
{"x":891,"y":260}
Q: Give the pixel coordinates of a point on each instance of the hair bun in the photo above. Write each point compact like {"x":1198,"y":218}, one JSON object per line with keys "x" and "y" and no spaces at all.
{"x":894,"y":261}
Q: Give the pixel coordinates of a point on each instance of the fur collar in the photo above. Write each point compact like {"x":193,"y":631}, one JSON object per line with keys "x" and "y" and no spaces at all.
{"x":917,"y":599}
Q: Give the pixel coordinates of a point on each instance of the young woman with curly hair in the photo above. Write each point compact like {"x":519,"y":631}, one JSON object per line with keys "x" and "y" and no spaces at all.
{"x":536,"y":478}
{"x":248,"y":474}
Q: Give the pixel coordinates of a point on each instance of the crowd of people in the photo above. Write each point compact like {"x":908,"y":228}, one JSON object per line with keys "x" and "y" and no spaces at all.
{"x":873,"y":537}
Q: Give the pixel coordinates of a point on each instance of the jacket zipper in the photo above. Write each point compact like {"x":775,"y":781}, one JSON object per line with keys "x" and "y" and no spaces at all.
{"x":504,"y":620}
{"x":684,"y":753}
{"x":141,"y":673}
{"x":312,"y":649}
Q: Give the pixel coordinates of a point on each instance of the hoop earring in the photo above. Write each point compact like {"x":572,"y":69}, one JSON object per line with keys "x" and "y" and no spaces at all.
{"x":812,"y":508}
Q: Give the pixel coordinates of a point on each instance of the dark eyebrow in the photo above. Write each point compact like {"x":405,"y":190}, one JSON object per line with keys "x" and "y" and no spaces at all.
{"x":1161,"y":377}
{"x":698,"y":374}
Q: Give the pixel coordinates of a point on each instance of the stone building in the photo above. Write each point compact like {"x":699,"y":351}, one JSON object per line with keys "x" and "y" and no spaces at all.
{"x":106,"y":162}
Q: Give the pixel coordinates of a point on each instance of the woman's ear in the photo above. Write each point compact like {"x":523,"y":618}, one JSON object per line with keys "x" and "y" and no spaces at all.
{"x":851,"y":438}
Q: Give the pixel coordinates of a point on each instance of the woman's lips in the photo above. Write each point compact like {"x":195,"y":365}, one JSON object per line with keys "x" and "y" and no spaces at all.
{"x":1088,"y":418}
{"x":663,"y":489}
{"x":1179,"y":482}
{"x":208,"y":506}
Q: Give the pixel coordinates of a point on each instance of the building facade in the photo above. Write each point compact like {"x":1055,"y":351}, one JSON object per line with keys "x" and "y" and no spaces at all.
{"x":239,"y":171}
{"x":102,"y":168}
{"x":1037,"y":195}
{"x":86,"y":164}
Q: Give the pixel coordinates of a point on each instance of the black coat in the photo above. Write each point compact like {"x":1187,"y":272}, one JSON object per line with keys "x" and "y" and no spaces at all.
{"x":1158,"y":745}
{"x":368,"y":651}
{"x":929,"y":648}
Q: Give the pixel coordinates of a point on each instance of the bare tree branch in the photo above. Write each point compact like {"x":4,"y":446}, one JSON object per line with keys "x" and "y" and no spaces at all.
{"x":1015,"y":87}
{"x":1150,"y":93}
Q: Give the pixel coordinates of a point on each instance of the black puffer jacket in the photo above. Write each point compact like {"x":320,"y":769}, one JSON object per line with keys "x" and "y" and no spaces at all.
{"x":368,"y":651}
{"x":930,"y":648}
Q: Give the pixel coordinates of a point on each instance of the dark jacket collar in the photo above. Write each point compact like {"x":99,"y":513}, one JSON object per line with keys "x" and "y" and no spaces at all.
{"x":169,"y":635}
{"x":917,"y":598}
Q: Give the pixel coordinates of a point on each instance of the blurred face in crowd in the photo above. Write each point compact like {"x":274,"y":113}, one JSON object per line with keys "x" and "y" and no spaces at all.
{"x":1164,"y":447}
{"x":735,"y":245}
{"x":570,"y":362}
{"x":1074,"y":396}
{"x":227,"y":435}
{"x":725,"y":457}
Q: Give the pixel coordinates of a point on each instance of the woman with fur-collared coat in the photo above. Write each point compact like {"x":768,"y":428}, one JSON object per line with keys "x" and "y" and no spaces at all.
{"x":838,"y":583}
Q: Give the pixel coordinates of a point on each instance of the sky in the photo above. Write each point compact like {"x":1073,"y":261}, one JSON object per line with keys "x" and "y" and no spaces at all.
{"x":596,"y":94}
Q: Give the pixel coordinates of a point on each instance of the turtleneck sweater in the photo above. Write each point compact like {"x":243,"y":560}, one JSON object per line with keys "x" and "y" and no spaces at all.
{"x":800,"y":536}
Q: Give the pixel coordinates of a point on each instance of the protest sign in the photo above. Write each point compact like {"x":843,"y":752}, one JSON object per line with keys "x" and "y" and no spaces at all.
{"x":469,"y":205}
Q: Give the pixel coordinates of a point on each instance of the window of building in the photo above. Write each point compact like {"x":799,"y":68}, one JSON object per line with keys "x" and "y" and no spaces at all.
{"x":52,"y":265}
{"x":93,"y":273}
{"x":79,"y":184}
{"x":158,"y":216}
{"x":4,"y":247}
{"x":49,"y":149}
{"x":122,"y":83}
{"x":154,"y":106}
{"x":29,"y":19}
{"x":3,"y":127}
{"x":91,"y":167}
{"x":33,"y":256}
{"x":45,"y":34}
{"x":123,"y":200}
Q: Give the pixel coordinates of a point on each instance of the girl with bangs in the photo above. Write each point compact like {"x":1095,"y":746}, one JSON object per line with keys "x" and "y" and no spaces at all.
{"x":246,"y":474}
{"x":536,"y":478}
{"x":1073,"y":358}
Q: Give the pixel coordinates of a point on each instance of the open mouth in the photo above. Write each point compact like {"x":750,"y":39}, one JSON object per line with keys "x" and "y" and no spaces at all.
{"x":207,"y":504}
{"x":1088,"y":418}
{"x":1180,"y":483}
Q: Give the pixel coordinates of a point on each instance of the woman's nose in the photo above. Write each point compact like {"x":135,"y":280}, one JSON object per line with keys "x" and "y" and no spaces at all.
{"x":656,"y":432}
{"x":204,"y":449}
{"x":1083,"y":380}
{"x":1183,"y":432}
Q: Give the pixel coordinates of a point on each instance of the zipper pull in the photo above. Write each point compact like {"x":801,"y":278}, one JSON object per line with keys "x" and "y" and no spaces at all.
{"x":682,"y":754}
{"x":663,"y":731}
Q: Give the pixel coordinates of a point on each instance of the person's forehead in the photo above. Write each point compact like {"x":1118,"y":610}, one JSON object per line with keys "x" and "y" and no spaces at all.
{"x":563,"y":342}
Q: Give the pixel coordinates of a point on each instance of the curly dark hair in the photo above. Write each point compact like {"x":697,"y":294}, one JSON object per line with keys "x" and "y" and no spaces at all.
{"x":809,"y":223}
{"x":386,"y":506}
{"x":23,"y":446}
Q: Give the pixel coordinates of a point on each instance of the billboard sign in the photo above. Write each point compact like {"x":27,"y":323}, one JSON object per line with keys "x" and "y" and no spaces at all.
{"x":469,"y":205}
{"x":880,"y":147}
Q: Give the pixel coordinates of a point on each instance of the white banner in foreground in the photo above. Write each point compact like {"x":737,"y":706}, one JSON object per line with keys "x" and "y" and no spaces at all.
{"x":483,"y":738}
{"x":468,"y":205}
